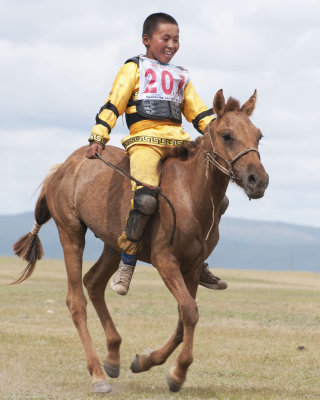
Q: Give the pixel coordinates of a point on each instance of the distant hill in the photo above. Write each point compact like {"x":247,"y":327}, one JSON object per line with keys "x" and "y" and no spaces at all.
{"x":243,"y":243}
{"x":251,"y":244}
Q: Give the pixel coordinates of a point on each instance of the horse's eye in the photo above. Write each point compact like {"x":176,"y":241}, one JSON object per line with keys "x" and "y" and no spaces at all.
{"x":227,"y":137}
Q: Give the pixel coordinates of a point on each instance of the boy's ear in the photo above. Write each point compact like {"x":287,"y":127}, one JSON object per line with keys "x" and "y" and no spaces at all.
{"x":145,"y":39}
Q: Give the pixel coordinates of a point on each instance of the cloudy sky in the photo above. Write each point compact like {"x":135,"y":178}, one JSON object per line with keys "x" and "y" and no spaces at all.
{"x":58,"y":60}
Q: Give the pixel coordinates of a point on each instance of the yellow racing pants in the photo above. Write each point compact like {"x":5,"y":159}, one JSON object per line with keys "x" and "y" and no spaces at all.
{"x":144,"y":166}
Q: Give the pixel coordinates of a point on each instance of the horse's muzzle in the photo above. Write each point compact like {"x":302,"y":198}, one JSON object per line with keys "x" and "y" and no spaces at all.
{"x":255,"y":182}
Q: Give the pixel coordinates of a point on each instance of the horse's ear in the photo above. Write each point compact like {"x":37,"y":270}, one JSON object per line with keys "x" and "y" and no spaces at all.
{"x":249,"y":106}
{"x":219,"y":103}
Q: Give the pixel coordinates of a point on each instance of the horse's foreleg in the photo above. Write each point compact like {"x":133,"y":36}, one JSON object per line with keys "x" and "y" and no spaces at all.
{"x":170,"y":272}
{"x":77,"y":303}
{"x":96,"y":280}
{"x":150,"y":358}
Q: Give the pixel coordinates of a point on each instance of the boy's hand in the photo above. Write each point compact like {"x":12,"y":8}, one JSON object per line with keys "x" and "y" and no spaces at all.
{"x":94,"y":148}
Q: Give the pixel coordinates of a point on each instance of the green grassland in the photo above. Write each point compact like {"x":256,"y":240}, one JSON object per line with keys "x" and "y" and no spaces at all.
{"x":246,"y":341}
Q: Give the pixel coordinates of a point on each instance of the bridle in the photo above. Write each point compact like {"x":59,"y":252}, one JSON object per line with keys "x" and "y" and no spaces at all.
{"x":211,"y":157}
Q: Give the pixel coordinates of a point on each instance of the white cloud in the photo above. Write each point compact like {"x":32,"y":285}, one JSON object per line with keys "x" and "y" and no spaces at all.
{"x":26,"y":158}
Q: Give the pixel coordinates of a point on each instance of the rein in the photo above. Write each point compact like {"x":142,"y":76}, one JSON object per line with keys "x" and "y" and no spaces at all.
{"x":211,"y":158}
{"x":157,"y":189}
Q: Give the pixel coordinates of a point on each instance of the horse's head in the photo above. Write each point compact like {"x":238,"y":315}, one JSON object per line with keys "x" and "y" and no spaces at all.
{"x":232,"y":143}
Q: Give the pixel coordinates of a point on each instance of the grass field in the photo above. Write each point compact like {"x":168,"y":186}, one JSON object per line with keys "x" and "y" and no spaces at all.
{"x":246,"y":342}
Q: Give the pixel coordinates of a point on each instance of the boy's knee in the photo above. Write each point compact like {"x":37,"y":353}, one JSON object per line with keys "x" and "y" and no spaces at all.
{"x":145,"y":201}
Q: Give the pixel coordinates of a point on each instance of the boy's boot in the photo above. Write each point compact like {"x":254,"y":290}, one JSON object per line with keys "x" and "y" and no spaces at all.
{"x":209,"y":280}
{"x":121,"y":280}
{"x":144,"y":205}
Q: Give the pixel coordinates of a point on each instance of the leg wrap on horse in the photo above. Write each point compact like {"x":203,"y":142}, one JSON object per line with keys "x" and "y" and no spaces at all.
{"x":144,"y":205}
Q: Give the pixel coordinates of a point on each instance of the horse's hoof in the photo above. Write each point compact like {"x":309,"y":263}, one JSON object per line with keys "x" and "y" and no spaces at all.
{"x":112,"y":371}
{"x":174,"y":386}
{"x":101,"y":387}
{"x":135,"y":365}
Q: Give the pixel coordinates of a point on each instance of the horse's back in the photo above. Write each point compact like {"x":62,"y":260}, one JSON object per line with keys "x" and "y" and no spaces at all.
{"x":91,"y":192}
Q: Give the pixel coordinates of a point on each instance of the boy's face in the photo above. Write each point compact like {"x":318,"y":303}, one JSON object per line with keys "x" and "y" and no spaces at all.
{"x":163,"y":44}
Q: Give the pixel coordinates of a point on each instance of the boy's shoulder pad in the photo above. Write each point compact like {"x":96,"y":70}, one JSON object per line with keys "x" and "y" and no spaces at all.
{"x":134,"y":59}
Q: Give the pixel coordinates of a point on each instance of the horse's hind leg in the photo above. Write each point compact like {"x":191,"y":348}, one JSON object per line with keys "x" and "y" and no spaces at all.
{"x":73,"y":245}
{"x":96,"y":280}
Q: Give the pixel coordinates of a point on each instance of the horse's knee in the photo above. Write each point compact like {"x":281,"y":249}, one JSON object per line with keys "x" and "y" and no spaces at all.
{"x":189,"y":313}
{"x":94,"y":286}
{"x":78,"y":309}
{"x":87,"y":280}
{"x":90,"y":280}
{"x":90,"y":286}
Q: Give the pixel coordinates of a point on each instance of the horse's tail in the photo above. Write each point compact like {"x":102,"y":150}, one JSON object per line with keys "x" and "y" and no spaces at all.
{"x":29,"y":246}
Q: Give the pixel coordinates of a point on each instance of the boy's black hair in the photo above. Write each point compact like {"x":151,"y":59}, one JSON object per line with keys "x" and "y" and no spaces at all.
{"x":151,"y":22}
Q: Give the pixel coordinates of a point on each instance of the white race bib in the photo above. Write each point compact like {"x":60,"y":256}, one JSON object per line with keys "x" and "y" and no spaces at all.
{"x":161,"y":81}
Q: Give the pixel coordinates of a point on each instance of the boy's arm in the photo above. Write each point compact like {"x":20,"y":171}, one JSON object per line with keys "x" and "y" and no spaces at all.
{"x":195,"y":110}
{"x":113,"y":107}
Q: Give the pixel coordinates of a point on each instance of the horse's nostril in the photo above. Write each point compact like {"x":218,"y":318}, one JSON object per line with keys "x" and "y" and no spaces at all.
{"x":252,"y":180}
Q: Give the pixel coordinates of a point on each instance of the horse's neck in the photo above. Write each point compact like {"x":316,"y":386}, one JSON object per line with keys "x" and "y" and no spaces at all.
{"x":207,"y":184}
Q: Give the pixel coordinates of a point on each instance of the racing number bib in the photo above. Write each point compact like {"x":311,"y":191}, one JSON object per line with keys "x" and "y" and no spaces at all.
{"x":161,"y":81}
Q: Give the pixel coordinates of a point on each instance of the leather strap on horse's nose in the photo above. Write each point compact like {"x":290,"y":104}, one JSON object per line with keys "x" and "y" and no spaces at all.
{"x":157,"y":189}
{"x":242,"y":153}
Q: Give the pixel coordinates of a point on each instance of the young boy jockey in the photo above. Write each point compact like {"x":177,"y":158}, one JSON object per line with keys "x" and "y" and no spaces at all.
{"x":153,"y":93}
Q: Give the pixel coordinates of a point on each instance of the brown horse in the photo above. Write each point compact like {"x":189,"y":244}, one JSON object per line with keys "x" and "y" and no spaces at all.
{"x":82,"y":193}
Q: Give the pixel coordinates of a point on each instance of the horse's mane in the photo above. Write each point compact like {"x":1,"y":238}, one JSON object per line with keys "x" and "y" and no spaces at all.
{"x":232,"y":105}
{"x":186,"y":151}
